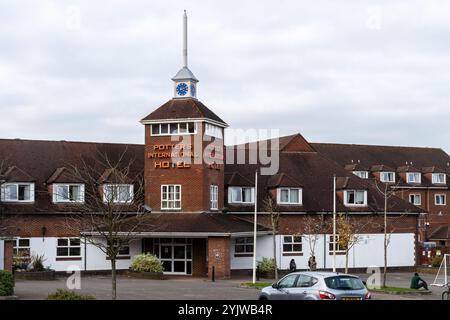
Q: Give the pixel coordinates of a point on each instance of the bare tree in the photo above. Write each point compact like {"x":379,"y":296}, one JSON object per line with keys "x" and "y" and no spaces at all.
{"x":111,"y":213}
{"x":6,"y":223}
{"x":270,"y":206}
{"x":313,"y":226}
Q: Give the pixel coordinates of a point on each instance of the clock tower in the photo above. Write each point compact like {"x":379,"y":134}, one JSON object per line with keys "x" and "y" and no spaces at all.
{"x":185,"y":83}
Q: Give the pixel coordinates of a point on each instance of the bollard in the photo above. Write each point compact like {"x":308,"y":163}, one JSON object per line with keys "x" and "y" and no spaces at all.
{"x":213,"y":274}
{"x":257,"y":273}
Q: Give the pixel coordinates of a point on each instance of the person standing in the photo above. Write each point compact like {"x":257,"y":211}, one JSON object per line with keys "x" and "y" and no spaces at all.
{"x":312,"y":264}
{"x":292,"y":266}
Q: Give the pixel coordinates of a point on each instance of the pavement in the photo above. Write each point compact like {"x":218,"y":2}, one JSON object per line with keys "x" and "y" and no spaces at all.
{"x":187,"y":288}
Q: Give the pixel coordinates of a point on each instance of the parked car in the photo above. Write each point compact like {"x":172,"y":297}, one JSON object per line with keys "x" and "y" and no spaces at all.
{"x":316,"y":286}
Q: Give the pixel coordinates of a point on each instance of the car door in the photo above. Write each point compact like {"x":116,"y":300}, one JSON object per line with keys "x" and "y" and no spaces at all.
{"x":302,"y":287}
{"x":282,"y":292}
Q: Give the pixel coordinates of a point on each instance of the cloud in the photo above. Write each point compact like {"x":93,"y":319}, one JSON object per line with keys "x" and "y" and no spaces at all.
{"x":353,"y":73}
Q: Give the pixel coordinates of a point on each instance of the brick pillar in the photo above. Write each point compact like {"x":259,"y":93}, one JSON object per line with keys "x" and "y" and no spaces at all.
{"x":8,"y":255}
{"x":219,"y":257}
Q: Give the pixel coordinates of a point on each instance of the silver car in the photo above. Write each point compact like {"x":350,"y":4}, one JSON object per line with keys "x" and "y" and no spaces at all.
{"x":316,"y":286}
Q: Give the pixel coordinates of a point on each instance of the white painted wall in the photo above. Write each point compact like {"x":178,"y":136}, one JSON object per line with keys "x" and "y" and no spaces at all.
{"x":2,"y":257}
{"x":369,"y":252}
{"x":95,"y":258}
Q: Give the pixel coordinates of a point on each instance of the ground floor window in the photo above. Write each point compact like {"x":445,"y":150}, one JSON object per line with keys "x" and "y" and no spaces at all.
{"x":243,"y":246}
{"x":339,"y":248}
{"x":292,"y":244}
{"x":124,"y":250}
{"x":175,"y":254}
{"x":68,"y":247}
{"x":22,"y":248}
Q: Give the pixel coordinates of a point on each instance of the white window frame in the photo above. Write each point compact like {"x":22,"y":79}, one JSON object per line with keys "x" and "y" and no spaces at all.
{"x":292,"y":243}
{"x":116,"y":194}
{"x":361,"y":174}
{"x":213,"y":131}
{"x":178,"y":133}
{"x":17,"y":247}
{"x":409,"y":175}
{"x":68,"y":185}
{"x":330,"y":245}
{"x":300,"y":196}
{"x":174,"y":200}
{"x":17,"y":184}
{"x":355,"y":204}
{"x":121,"y":255}
{"x":69,"y":246}
{"x":248,"y":241}
{"x":382,"y":177}
{"x":214,"y":197}
{"x":230,"y":195}
{"x":440,"y":195}
{"x":415,"y":195}
{"x":434,"y":178}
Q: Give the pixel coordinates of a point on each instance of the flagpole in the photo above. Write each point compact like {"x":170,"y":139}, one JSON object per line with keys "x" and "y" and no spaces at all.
{"x":334,"y":223}
{"x":255,"y":224}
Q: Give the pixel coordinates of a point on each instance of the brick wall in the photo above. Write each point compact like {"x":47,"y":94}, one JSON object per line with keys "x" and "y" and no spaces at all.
{"x":8,"y":255}
{"x":219,"y":257}
{"x":199,"y":263}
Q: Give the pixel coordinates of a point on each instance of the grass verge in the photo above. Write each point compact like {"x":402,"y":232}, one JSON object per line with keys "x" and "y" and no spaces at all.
{"x":398,"y":290}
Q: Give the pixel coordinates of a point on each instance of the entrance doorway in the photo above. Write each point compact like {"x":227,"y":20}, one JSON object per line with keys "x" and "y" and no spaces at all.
{"x":175,"y":254}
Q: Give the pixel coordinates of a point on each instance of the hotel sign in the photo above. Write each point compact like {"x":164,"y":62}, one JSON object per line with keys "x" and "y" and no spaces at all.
{"x":175,"y":152}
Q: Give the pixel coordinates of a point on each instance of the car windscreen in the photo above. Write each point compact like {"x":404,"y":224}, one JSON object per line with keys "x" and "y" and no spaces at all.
{"x":344,"y":283}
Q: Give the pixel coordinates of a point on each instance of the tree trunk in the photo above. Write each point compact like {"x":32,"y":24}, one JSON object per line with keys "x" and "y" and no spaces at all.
{"x":114,"y":278}
{"x":346,"y":261}
{"x":275,"y":255}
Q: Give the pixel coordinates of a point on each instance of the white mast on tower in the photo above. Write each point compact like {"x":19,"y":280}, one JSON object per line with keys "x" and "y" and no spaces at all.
{"x":185,"y":39}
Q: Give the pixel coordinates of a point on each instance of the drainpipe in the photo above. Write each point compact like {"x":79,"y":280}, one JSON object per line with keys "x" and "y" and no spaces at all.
{"x":85,"y":254}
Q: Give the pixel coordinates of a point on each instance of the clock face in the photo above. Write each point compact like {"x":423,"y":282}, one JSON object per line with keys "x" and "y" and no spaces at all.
{"x":192,"y":89}
{"x":182,"y":89}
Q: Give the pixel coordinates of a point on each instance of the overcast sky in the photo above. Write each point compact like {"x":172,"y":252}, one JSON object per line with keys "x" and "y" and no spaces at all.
{"x":373,"y":72}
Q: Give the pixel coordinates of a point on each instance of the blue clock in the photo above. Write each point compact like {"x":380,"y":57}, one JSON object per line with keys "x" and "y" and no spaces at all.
{"x":192,"y":90}
{"x":182,"y":89}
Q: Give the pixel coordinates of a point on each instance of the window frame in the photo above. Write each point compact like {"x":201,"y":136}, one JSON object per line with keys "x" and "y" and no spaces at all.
{"x":444,"y":196}
{"x":300,"y":196}
{"x":123,"y":255}
{"x":174,"y":200}
{"x":214,"y":197}
{"x":292,"y":244}
{"x":409,"y":174}
{"x":382,"y":173}
{"x":178,"y":131}
{"x":17,"y":247}
{"x":359,"y":173}
{"x":347,"y":204}
{"x":434,"y":175}
{"x":415,"y":195}
{"x":31,"y":186}
{"x":68,"y":247}
{"x":68,"y":185}
{"x":248,"y":241}
{"x":230,"y":195}
{"x":330,"y":245}
{"x":213,"y":130}
{"x":116,"y":199}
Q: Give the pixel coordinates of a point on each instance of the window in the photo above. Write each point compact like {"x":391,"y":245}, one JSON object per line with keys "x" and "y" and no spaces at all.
{"x":387,"y":176}
{"x":305,"y":281}
{"x":214,"y":194}
{"x":287,"y":282}
{"x":170,"y":197}
{"x":439,"y":178}
{"x":182,"y":128}
{"x":68,"y":193}
{"x":415,"y":199}
{"x":440,"y":199}
{"x":243,"y":245}
{"x":355,"y":197}
{"x":124,"y":250}
{"x":68,"y":247}
{"x":361,"y":174}
{"x":338,"y":246}
{"x":213,"y":131}
{"x":413,"y":177}
{"x":289,"y":196}
{"x":118,"y":193}
{"x":17,"y":192}
{"x":241,"y":195}
{"x":21,"y":248}
{"x":292,"y":244}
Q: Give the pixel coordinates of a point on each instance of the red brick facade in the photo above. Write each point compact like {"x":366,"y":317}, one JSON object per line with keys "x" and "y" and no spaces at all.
{"x":219,"y":257}
{"x":8,"y":255}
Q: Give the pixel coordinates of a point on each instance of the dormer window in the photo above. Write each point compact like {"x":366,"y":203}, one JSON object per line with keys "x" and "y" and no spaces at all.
{"x":289,"y":196}
{"x":68,"y":193}
{"x":439,"y":178}
{"x":387,"y":176}
{"x":118,"y":193}
{"x":413,"y":177}
{"x":17,"y":192}
{"x":355,"y":197}
{"x":361,"y":174}
{"x":242,"y":195}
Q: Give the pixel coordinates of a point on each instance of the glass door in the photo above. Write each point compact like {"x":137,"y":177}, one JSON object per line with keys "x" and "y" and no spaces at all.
{"x":175,"y":255}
